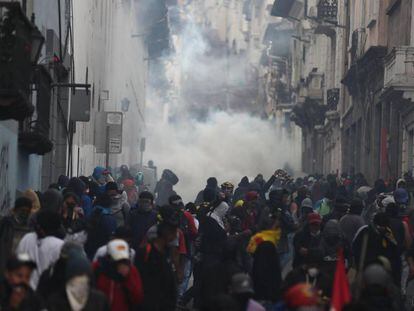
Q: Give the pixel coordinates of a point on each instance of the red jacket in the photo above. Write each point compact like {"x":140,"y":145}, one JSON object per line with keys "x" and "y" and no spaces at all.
{"x":122,"y":295}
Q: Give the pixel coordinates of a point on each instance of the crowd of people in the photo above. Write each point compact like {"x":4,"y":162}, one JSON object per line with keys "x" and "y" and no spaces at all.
{"x":104,"y":243}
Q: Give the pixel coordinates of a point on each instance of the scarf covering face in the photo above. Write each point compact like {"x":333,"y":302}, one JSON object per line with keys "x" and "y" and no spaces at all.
{"x":272,"y":236}
{"x":219,"y":213}
{"x":77,"y":291}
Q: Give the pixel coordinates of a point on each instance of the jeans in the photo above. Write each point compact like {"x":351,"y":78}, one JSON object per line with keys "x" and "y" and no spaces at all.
{"x":188,"y":265}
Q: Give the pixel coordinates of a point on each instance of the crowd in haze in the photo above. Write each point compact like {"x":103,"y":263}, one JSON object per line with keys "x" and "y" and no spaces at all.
{"x":105,"y":242}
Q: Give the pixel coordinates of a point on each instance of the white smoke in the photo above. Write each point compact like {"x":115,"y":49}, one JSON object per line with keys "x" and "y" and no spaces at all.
{"x":225,"y":145}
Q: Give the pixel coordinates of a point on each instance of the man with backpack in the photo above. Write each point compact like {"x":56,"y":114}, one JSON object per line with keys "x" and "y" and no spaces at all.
{"x":157,"y":272}
{"x":142,"y":217}
{"x":101,"y":225}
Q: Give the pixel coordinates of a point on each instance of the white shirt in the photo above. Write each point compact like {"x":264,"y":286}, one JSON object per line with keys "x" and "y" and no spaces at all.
{"x":45,"y":252}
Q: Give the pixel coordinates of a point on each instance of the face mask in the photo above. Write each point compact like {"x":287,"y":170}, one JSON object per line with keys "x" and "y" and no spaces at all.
{"x":22,"y":218}
{"x":145,"y":206}
{"x":316,"y":233}
{"x":77,"y":290}
{"x":71,"y":206}
{"x":313,"y":272}
{"x":116,"y":198}
{"x":102,"y":180}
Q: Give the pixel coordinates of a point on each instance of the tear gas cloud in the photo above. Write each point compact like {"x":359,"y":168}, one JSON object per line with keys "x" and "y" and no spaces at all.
{"x":224,"y":144}
{"x":227,"y":146}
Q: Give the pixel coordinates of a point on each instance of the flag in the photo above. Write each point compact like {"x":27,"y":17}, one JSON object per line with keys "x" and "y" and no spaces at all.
{"x":341,"y":294}
{"x":272,"y":236}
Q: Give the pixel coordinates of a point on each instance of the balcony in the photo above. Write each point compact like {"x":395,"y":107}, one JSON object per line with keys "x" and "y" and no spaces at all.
{"x":399,"y":71}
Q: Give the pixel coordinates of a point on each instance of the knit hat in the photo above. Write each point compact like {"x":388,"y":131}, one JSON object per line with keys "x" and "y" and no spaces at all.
{"x":77,"y":265}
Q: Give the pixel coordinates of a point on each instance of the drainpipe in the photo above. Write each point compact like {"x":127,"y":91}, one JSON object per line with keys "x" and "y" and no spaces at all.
{"x":412,"y":25}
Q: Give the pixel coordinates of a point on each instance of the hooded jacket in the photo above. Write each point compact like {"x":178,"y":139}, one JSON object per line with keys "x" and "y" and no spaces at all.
{"x":123,"y":293}
{"x":140,"y":221}
{"x":241,"y":189}
{"x":32,"y":196}
{"x":52,"y":200}
{"x":77,"y":186}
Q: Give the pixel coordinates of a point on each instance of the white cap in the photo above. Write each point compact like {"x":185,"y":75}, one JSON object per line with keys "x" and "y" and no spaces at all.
{"x":118,"y":250}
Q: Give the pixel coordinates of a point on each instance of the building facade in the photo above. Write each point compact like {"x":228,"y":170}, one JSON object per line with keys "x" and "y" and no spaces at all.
{"x":352,"y":80}
{"x":33,"y":137}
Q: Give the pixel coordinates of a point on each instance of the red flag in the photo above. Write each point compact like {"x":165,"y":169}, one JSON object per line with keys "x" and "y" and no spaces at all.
{"x":341,"y":295}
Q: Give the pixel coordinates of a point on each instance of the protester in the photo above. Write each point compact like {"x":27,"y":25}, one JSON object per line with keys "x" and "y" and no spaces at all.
{"x":242,"y":189}
{"x":117,"y":278}
{"x":212,"y":184}
{"x":307,"y":239}
{"x":52,"y":200}
{"x":142,"y":217}
{"x":15,"y":290}
{"x":43,"y":245}
{"x":157,"y":272}
{"x":120,"y":233}
{"x":53,"y":278}
{"x":101,"y":225}
{"x":73,"y":219}
{"x":377,"y":292}
{"x":78,"y":187}
{"x":310,"y":272}
{"x":227,"y":189}
{"x":32,"y":196}
{"x":282,"y":252}
{"x":77,"y":292}
{"x":119,"y":207}
{"x":164,"y":188}
{"x":352,"y":221}
{"x":380,"y":241}
{"x":13,"y":228}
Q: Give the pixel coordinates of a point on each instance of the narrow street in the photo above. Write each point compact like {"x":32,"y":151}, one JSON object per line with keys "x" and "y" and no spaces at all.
{"x":207,"y":155}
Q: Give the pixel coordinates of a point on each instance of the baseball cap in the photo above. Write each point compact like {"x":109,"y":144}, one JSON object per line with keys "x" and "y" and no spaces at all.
{"x":314,"y":218}
{"x":20,"y":260}
{"x":118,"y":250}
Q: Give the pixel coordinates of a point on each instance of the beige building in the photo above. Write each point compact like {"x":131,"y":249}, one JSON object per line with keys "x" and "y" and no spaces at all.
{"x":112,"y":54}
